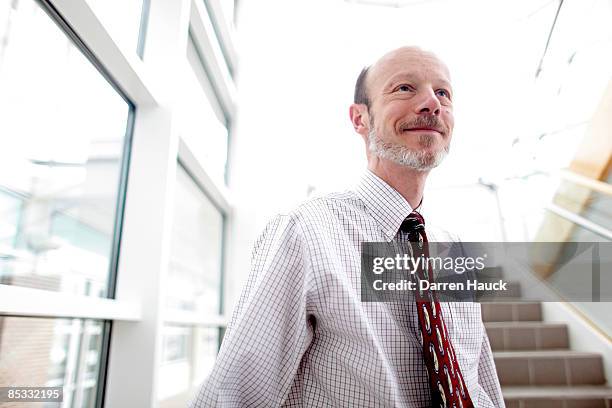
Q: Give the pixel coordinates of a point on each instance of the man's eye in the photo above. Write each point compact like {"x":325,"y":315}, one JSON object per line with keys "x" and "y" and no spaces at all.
{"x":404,"y":88}
{"x":443,"y":92}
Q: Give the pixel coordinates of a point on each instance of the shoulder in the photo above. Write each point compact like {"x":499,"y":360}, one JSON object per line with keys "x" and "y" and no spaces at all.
{"x":326,"y":208}
{"x":314,"y":216}
{"x":295,"y":232}
{"x":328,"y":203}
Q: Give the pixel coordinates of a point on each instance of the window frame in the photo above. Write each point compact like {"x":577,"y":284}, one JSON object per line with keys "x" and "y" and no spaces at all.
{"x":132,"y":311}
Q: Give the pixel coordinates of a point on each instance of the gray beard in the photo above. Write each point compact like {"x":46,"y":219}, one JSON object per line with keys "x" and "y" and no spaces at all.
{"x":418,"y":160}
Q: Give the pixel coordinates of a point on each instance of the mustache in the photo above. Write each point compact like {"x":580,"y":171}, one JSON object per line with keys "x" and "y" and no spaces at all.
{"x":426,"y":121}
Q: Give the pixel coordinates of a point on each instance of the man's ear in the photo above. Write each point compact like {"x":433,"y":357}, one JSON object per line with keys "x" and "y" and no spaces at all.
{"x":360,"y":118}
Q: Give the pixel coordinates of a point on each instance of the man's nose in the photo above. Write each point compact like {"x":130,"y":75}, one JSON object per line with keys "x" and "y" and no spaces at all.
{"x":429,"y":103}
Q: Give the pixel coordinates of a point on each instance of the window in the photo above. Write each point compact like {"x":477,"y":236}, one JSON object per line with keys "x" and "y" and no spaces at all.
{"x":188,"y":357}
{"x":71,"y":266}
{"x":10,"y":210}
{"x":193,"y":288}
{"x":204,"y":127}
{"x":176,"y":345}
{"x":194,"y":274}
{"x":63,"y":132}
{"x":124,"y":19}
{"x":52,"y":353}
{"x":219,"y":24}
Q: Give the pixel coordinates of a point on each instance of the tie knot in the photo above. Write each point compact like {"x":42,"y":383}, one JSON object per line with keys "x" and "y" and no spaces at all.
{"x":413,"y":223}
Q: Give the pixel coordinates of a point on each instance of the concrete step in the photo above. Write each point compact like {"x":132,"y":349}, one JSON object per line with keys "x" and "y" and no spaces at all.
{"x":549,"y":367}
{"x":511,"y":312}
{"x":558,"y":397}
{"x":509,"y":336}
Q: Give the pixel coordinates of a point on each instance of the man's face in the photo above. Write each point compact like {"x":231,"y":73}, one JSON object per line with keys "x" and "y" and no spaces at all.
{"x":411,"y":111}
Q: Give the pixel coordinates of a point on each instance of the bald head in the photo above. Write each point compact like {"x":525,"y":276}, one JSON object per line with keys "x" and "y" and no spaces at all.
{"x":404,"y":109}
{"x":371,"y":75}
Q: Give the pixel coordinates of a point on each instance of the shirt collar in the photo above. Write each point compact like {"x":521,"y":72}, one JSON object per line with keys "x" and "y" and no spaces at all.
{"x":388,"y":207}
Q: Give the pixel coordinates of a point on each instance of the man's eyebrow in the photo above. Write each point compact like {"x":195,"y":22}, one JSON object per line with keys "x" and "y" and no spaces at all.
{"x":399,"y":77}
{"x":445,"y":83}
{"x":411,"y":77}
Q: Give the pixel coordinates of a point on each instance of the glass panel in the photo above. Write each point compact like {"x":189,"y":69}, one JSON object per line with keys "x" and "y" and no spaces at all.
{"x":599,"y":209}
{"x":598,"y":313}
{"x":571,"y":133}
{"x":176,"y":345}
{"x":10,"y":209}
{"x":122,"y":19}
{"x":214,"y":24}
{"x":590,"y":204}
{"x":578,"y":64}
{"x":188,"y":356}
{"x":194,"y":281}
{"x":576,"y":71}
{"x":203,"y":125}
{"x":52,"y":353}
{"x":62,"y":135}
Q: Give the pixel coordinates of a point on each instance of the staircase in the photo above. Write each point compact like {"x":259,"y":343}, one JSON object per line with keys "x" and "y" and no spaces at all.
{"x":535,"y":365}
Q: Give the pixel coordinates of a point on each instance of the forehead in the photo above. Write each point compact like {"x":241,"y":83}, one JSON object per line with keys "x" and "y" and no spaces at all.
{"x":407,"y":64}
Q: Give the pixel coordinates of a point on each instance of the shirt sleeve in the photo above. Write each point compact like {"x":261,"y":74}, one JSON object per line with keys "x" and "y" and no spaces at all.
{"x":269,"y":331}
{"x":487,"y":374}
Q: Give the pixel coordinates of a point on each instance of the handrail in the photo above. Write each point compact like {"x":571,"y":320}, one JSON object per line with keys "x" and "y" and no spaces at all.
{"x":581,"y":221}
{"x":597,"y":185}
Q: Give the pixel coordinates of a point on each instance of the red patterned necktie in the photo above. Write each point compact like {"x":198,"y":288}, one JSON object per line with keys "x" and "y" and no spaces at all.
{"x":445,"y":379}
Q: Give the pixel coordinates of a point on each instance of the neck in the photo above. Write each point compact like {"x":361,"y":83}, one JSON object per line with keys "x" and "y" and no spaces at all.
{"x":407,"y":181}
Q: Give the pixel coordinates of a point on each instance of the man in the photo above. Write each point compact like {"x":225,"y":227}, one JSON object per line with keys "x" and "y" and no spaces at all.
{"x":301,"y":336}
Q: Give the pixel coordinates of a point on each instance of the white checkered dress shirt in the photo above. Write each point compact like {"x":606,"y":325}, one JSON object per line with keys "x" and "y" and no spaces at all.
{"x":301,"y":337}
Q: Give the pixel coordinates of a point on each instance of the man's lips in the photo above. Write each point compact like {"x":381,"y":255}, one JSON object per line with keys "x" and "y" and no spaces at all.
{"x":422,"y":129}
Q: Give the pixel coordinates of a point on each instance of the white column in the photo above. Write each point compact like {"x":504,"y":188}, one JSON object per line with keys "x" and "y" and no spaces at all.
{"x":136,"y":346}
